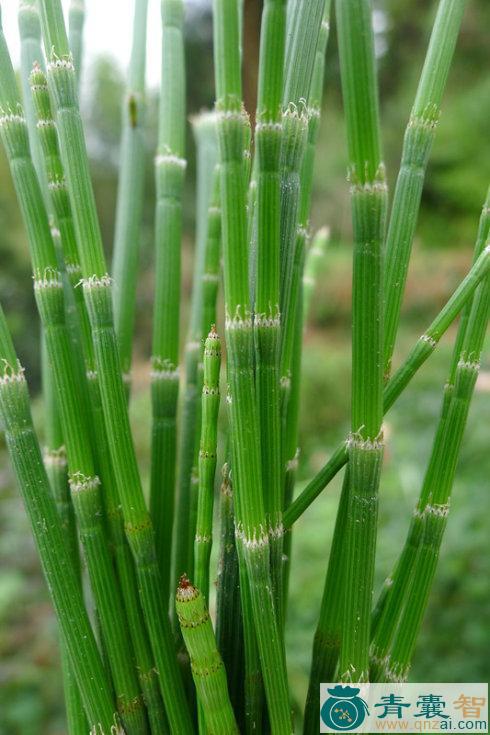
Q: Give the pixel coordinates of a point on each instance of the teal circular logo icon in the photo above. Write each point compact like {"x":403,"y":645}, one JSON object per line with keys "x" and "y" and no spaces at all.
{"x":343,"y":710}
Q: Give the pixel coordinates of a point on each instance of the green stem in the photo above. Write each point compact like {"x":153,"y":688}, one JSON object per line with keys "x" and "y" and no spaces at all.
{"x":57,"y":563}
{"x":76,"y":21}
{"x":424,"y":347}
{"x":251,"y":524}
{"x":207,"y":461}
{"x":229,"y":619}
{"x":97,"y":292}
{"x":267,"y":320}
{"x":169,"y":172}
{"x":365,"y":447}
{"x":417,"y":145}
{"x":400,"y":612}
{"x":84,"y":483}
{"x":203,"y":314}
{"x":207,"y":666}
{"x":328,"y":634}
{"x":63,"y":215}
{"x":130,"y":192}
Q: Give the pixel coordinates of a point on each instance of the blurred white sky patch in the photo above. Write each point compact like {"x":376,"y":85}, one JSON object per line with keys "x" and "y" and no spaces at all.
{"x":107,"y":31}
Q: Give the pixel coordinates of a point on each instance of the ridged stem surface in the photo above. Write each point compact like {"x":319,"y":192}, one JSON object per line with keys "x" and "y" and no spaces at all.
{"x":422,"y":350}
{"x":365,"y":448}
{"x":207,"y":461}
{"x":127,"y":235}
{"x":399,"y":615}
{"x":169,"y":173}
{"x":56,"y":561}
{"x":417,"y":145}
{"x":97,"y":291}
{"x":251,"y":523}
{"x":203,"y":286}
{"x":267,"y":320}
{"x":206,"y":663}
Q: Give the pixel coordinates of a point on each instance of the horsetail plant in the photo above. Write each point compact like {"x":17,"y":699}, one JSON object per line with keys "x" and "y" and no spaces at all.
{"x":169,"y":174}
{"x":207,"y":666}
{"x":203,"y":310}
{"x":365,"y":445}
{"x":254,"y":192}
{"x":56,"y":561}
{"x":76,"y":22}
{"x":130,"y":192}
{"x":63,"y":218}
{"x":417,"y":145}
{"x":207,"y":461}
{"x":250,"y":518}
{"x":97,"y":292}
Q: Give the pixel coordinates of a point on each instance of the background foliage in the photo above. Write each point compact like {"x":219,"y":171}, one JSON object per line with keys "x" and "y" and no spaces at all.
{"x":455,"y":638}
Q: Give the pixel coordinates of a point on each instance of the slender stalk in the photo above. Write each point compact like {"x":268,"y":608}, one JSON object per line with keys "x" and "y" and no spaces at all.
{"x":423,"y":348}
{"x":84,"y":483}
{"x":267,"y":319}
{"x":76,"y":21}
{"x":207,"y":666}
{"x":417,"y":145}
{"x":328,"y":633}
{"x":57,"y":563}
{"x":56,"y":465}
{"x":54,"y":455}
{"x":251,"y":525}
{"x":406,"y":598}
{"x":130,"y":192}
{"x":204,"y":127}
{"x":365,"y":447}
{"x":30,"y":53}
{"x":293,"y":326}
{"x":229,"y":620}
{"x":207,"y":461}
{"x":169,"y":172}
{"x":304,"y":23}
{"x":97,"y":292}
{"x":124,"y":564}
{"x":314,"y":260}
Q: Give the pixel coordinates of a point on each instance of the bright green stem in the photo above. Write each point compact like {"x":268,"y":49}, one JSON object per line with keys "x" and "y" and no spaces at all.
{"x":207,"y":666}
{"x":84,"y":483}
{"x":169,"y":172}
{"x":97,"y":292}
{"x":368,"y":195}
{"x":30,"y":52}
{"x":251,"y":523}
{"x":415,"y":155}
{"x":315,"y":258}
{"x":76,"y":21}
{"x":229,"y":622}
{"x":207,"y":461}
{"x":203,"y":315}
{"x":424,"y":347}
{"x":204,"y":128}
{"x":400,"y":611}
{"x":57,"y":564}
{"x":130,"y":191}
{"x":304,"y":21}
{"x":267,"y":320}
{"x":62,"y":209}
{"x":326,"y":643}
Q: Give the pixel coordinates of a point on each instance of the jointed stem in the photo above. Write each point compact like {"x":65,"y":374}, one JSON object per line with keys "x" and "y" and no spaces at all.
{"x":97,"y":291}
{"x":423,"y":348}
{"x":415,"y":155}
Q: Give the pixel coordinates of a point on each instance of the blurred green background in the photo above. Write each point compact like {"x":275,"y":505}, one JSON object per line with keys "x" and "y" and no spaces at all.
{"x":454,"y":644}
